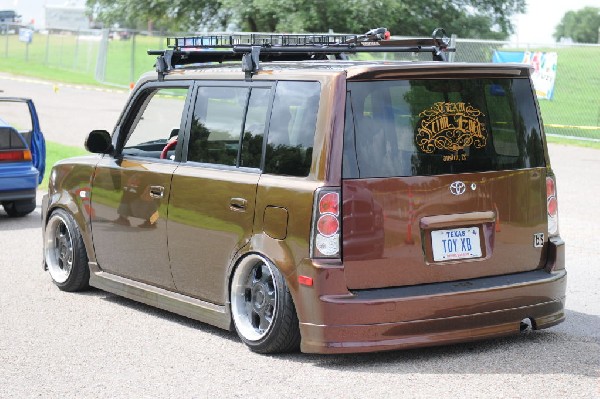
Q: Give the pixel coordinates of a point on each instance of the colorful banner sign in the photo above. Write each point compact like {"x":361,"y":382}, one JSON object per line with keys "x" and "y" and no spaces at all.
{"x":544,"y":68}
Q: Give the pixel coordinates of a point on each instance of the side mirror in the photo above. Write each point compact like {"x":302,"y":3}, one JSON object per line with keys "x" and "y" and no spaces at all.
{"x":99,"y":142}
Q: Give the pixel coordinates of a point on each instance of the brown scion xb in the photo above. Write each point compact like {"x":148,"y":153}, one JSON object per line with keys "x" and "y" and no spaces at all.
{"x":268,"y":184}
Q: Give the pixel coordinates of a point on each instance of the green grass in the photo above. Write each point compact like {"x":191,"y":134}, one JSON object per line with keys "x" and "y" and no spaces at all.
{"x":579,"y":143}
{"x":54,"y":153}
{"x":67,"y":59}
{"x":576,"y":99}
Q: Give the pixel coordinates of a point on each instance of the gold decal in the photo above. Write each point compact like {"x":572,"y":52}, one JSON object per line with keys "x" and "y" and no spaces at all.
{"x":451,"y":127}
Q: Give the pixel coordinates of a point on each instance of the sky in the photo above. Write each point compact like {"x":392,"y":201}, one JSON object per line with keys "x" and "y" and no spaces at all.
{"x":541,"y":18}
{"x":536,"y":26}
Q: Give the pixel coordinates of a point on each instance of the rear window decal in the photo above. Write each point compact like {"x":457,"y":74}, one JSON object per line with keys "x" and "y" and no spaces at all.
{"x":448,"y":126}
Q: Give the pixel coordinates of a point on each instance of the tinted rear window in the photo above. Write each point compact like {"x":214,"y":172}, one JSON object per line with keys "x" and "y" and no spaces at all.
{"x":9,"y":139}
{"x":430,"y":127}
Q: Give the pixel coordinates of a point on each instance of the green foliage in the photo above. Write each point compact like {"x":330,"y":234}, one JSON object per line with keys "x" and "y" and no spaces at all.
{"x":162,"y":15}
{"x":582,"y":26}
{"x":484,"y":19}
{"x":54,"y":153}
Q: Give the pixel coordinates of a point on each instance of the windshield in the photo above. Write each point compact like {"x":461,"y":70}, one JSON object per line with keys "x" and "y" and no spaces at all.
{"x":440,"y":126}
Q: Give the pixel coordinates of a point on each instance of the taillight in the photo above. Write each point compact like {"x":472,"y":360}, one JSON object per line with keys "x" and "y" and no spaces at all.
{"x":326,"y":227}
{"x":551,"y":206}
{"x":15,"y":155}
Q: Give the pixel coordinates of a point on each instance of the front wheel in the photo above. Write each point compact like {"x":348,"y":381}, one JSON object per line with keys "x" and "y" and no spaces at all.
{"x":262,"y":307}
{"x":64,"y":253}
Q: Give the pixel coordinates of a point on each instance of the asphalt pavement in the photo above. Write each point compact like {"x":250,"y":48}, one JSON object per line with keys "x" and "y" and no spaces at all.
{"x":98,"y":345}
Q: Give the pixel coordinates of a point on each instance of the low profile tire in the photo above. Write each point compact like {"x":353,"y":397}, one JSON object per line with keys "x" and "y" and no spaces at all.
{"x":64,"y":253}
{"x":19,"y":208}
{"x":262,"y":308}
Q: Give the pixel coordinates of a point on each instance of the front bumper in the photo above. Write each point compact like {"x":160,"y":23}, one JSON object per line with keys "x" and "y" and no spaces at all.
{"x":430,"y":314}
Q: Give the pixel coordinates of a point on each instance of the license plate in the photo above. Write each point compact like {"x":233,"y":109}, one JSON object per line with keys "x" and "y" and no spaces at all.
{"x":456,"y":244}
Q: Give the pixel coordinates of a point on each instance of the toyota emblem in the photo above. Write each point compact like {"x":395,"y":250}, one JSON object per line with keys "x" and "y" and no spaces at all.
{"x":458,"y":188}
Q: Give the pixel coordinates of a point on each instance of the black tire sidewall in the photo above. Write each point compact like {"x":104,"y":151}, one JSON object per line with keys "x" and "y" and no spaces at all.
{"x":19,"y":208}
{"x":284,"y":322}
{"x":80,"y":273}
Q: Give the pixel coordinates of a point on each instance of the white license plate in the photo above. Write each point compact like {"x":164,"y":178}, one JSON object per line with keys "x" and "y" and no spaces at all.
{"x":455,"y":244}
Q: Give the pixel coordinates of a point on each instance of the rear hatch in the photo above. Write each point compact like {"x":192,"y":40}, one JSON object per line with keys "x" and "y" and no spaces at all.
{"x":443,"y":179}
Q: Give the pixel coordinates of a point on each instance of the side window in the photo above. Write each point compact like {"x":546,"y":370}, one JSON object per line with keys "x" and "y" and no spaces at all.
{"x":256,"y":119}
{"x":217,"y":124}
{"x":292,"y":128}
{"x":219,"y":114}
{"x":156,"y":123}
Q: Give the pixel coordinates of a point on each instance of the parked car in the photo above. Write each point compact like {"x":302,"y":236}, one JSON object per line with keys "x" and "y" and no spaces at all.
{"x":22,"y":155}
{"x":9,"y":20}
{"x":268,"y":184}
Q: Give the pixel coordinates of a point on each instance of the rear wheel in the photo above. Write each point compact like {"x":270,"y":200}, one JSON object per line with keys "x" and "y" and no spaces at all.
{"x":262,"y":307}
{"x":64,"y":253}
{"x":19,"y":208}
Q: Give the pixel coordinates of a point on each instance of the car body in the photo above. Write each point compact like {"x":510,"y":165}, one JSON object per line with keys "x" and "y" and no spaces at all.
{"x":9,"y":20}
{"x":342,"y":206}
{"x":22,"y":155}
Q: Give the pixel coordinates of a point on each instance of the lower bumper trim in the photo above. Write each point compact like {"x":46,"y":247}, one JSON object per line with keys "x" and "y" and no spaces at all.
{"x":423,"y":333}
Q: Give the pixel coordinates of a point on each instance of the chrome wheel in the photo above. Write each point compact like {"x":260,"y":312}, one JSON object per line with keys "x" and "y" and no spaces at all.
{"x":254,"y":297}
{"x":59,"y":249}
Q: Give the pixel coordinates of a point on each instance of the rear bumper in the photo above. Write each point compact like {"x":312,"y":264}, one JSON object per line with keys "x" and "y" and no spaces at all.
{"x":422,"y":333}
{"x":18,"y":181}
{"x":431,"y":314}
{"x":17,"y":194}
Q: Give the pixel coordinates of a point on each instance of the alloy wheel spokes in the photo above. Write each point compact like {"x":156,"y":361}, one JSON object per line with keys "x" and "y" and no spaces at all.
{"x":260,"y":298}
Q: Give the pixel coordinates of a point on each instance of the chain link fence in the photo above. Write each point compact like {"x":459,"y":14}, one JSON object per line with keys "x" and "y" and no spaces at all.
{"x":574,"y":110}
{"x":118,"y":57}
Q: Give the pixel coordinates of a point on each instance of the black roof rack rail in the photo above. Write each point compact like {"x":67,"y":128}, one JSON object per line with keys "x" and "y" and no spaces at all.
{"x":251,"y":48}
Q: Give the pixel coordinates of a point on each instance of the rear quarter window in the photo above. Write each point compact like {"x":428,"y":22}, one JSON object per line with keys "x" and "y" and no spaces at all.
{"x":431,"y":127}
{"x":292,"y":128}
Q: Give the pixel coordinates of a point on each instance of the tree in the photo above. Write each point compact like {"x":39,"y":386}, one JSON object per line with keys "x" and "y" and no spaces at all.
{"x":164,"y":15}
{"x":582,"y":26}
{"x":489,"y":19}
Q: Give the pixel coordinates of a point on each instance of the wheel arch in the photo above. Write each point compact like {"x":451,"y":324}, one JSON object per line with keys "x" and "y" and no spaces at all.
{"x":80,"y":218}
{"x":283,"y":253}
{"x":69,"y":188}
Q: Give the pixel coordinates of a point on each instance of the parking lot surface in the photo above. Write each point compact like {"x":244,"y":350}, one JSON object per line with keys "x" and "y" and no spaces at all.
{"x":98,"y":345}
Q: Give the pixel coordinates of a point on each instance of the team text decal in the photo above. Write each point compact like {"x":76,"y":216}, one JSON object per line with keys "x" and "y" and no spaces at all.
{"x":451,"y":127}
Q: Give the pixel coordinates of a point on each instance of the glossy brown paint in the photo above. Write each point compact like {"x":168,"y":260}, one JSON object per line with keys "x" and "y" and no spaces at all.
{"x":510,"y":207}
{"x":211,"y":212}
{"x":379,"y":297}
{"x":69,"y":188}
{"x":129,"y":223}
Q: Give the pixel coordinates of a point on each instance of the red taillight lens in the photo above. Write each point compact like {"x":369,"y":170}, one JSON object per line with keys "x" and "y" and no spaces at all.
{"x":551,"y":206}
{"x":15,"y":156}
{"x":550,"y":187}
{"x":329,"y":203}
{"x":325,"y":233}
{"x":328,"y":225}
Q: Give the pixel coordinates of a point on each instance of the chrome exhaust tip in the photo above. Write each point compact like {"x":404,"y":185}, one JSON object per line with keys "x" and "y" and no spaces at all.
{"x":526,"y":326}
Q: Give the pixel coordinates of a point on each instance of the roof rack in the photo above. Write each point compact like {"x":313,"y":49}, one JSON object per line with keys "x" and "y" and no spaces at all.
{"x":251,"y":48}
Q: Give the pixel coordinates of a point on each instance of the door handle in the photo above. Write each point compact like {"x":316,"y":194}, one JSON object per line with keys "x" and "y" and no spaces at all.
{"x":238,"y":204}
{"x":157,"y":191}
